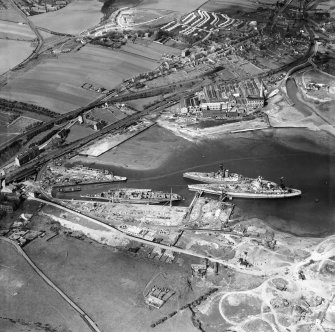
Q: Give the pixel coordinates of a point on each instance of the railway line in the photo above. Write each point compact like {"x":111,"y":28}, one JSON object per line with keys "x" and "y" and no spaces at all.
{"x":40,"y":41}
{"x":32,"y":167}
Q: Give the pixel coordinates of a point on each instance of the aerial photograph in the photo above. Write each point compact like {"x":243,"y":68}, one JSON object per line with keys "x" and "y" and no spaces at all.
{"x":167,"y":165}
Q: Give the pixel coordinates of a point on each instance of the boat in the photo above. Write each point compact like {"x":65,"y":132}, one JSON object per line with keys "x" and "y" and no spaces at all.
{"x":220,"y":176}
{"x":135,"y":196}
{"x":69,"y":189}
{"x":248,"y":188}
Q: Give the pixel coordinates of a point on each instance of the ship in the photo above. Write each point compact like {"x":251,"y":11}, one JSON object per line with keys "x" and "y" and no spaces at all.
{"x":220,"y":176}
{"x":134,"y":196}
{"x":69,"y":189}
{"x":248,"y":188}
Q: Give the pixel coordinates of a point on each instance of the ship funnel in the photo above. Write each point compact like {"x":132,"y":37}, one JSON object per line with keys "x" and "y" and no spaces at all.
{"x":282,"y":184}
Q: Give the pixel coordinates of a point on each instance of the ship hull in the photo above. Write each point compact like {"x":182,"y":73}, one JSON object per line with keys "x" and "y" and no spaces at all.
{"x":241,"y":194}
{"x":208,"y":179}
{"x":128,"y":201}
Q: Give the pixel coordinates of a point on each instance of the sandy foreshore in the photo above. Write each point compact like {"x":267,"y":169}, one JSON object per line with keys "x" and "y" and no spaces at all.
{"x":149,"y":150}
{"x":197,"y":135}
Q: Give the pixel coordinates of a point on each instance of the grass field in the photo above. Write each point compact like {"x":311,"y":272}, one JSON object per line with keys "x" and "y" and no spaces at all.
{"x":10,"y":14}
{"x":15,"y":31}
{"x":108,"y":284}
{"x":21,"y":123}
{"x":245,"y":5}
{"x":56,"y":83}
{"x":76,"y":17}
{"x":181,"y":6}
{"x":26,"y":297}
{"x":12,"y":53}
{"x":77,"y":132}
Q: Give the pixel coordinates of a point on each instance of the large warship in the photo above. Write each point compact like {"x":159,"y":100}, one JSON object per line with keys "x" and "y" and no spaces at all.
{"x":135,"y":196}
{"x":248,"y":188}
{"x":220,"y":176}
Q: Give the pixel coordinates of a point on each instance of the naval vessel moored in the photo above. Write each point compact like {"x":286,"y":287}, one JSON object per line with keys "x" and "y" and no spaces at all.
{"x":134,"y":196}
{"x":248,"y":188}
{"x":220,"y":176}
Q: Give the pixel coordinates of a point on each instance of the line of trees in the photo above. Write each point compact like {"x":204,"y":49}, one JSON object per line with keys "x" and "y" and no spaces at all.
{"x":17,"y":106}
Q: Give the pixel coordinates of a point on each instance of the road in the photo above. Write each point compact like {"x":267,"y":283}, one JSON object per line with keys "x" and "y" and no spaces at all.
{"x":31,"y":167}
{"x":82,"y":314}
{"x":147,"y":242}
{"x":3,"y":77}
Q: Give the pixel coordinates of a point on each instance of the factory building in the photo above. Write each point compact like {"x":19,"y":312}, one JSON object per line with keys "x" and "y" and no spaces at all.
{"x":234,"y":99}
{"x":24,"y":157}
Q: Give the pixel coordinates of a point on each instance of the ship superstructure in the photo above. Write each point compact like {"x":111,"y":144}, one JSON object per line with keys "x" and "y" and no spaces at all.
{"x":136,"y":196}
{"x":248,"y":188}
{"x":221,"y":176}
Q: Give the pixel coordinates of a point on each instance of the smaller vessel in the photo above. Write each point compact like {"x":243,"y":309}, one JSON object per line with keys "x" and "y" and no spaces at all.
{"x":220,"y":176}
{"x":69,"y":189}
{"x":248,"y":188}
{"x":135,"y":196}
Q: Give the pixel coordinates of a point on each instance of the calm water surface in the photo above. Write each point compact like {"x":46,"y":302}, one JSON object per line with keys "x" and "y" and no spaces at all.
{"x":270,"y":154}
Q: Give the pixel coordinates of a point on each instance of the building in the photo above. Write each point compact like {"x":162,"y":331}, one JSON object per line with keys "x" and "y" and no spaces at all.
{"x":24,"y":157}
{"x":255,"y":102}
{"x":8,"y":207}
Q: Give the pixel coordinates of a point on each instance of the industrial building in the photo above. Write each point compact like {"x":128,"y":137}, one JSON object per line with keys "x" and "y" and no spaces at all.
{"x":24,"y":157}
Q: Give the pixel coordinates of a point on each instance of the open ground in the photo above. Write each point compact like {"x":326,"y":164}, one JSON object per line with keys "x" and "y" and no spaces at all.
{"x":181,"y":6}
{"x":12,"y":53}
{"x":56,"y":83}
{"x":109,"y":284}
{"x":21,"y":289}
{"x":76,"y":17}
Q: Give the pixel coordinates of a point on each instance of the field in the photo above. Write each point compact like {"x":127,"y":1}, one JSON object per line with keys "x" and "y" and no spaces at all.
{"x":20,"y":124}
{"x":28,"y":301}
{"x":56,"y":83}
{"x":12,"y":53}
{"x":9,"y":14}
{"x":181,"y":6}
{"x":4,"y":136}
{"x":233,"y":5}
{"x":109,"y":284}
{"x":76,"y":17}
{"x":78,"y":132}
{"x":15,"y":31}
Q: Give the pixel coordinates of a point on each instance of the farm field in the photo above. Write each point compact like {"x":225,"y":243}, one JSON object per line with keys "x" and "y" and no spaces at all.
{"x":56,"y":83}
{"x":76,"y":17}
{"x":109,"y":284}
{"x":221,"y":5}
{"x":142,"y":50}
{"x":78,"y":132}
{"x":12,"y":53}
{"x":20,"y":124}
{"x":29,"y":299}
{"x":15,"y":31}
{"x":4,"y":136}
{"x":9,"y":14}
{"x":181,"y":6}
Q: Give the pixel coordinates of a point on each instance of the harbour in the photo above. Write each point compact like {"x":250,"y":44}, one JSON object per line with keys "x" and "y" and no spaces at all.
{"x":272,"y":154}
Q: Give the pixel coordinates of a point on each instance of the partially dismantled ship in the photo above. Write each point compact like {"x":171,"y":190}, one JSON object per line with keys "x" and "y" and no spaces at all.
{"x":135,"y":196}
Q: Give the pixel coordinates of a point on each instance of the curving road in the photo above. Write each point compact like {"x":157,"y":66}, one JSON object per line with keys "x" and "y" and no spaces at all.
{"x":161,"y":246}
{"x":82,"y":314}
{"x":39,"y":37}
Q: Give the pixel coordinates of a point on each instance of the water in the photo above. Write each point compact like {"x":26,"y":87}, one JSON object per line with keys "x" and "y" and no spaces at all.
{"x":295,"y":155}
